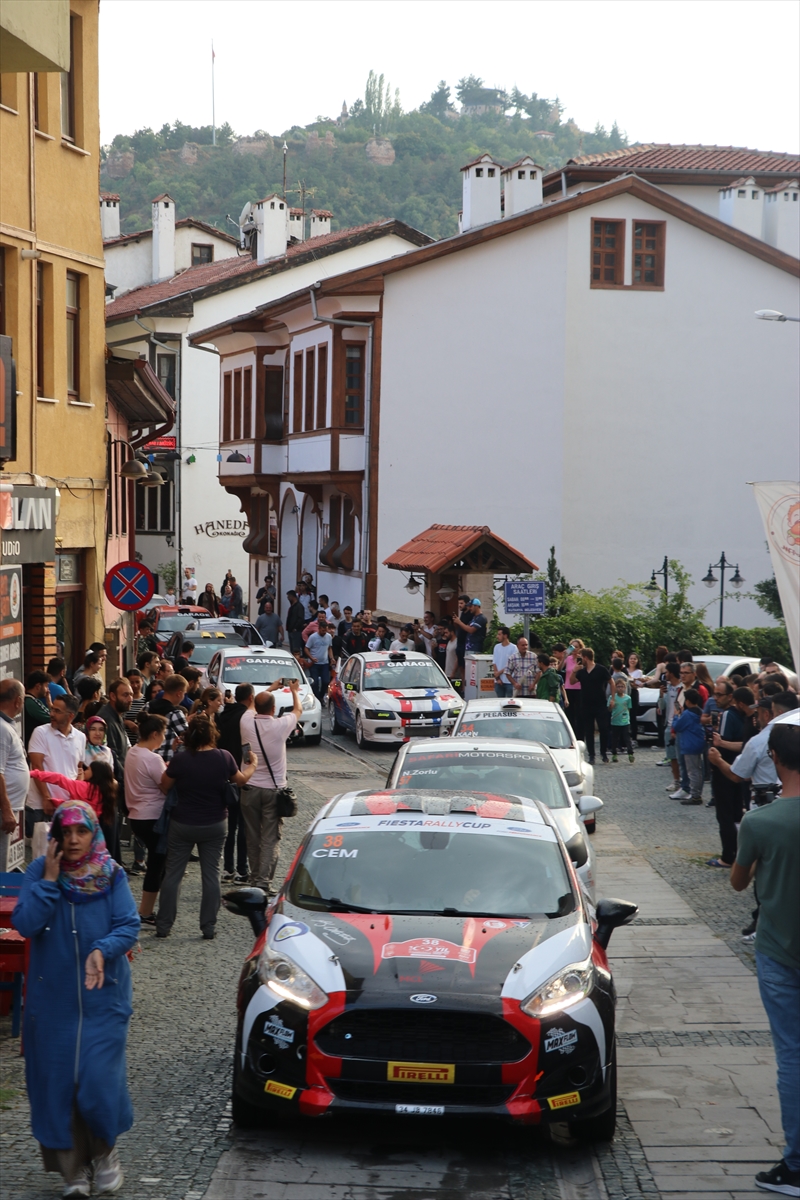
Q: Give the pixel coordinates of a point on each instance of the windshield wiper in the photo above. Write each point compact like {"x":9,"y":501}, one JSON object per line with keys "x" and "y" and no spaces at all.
{"x":334,"y":904}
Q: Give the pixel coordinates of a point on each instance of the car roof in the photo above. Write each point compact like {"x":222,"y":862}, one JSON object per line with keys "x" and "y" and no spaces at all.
{"x":255,"y":651}
{"x":169,"y":610}
{"x":492,"y":805}
{"x":520,"y":703}
{"x":370,"y":656}
{"x":460,"y":745}
{"x":724,"y":658}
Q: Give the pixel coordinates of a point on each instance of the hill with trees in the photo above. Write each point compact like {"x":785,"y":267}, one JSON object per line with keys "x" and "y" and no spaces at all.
{"x":372,"y":161}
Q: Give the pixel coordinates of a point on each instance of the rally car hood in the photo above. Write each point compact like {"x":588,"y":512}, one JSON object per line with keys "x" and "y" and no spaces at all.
{"x":395,"y":698}
{"x":385,"y":960}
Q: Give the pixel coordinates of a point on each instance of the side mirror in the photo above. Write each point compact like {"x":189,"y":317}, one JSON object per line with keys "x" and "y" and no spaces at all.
{"x":250,"y":902}
{"x":589,"y":804}
{"x":578,"y":850}
{"x":581,"y":747}
{"x":610,"y":915}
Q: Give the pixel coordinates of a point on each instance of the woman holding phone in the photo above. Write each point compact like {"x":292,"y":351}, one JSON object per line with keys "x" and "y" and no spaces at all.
{"x":77,"y":910}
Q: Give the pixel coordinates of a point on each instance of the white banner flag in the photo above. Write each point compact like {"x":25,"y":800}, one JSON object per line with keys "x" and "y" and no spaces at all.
{"x":779,"y":505}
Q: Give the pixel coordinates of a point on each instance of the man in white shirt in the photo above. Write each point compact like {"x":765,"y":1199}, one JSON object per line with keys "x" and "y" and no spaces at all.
{"x":14,"y":774}
{"x":404,"y":640}
{"x":333,"y":614}
{"x":318,"y":649}
{"x":428,"y":633}
{"x":266,"y":735}
{"x":503,"y":650}
{"x":189,"y":586}
{"x":55,"y":747}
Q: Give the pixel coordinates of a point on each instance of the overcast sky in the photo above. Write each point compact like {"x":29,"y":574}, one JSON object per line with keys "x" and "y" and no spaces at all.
{"x":711,"y":71}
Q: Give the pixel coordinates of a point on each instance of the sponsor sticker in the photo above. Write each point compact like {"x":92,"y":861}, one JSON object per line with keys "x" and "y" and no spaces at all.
{"x":411,"y":1072}
{"x":565,"y":1101}
{"x":420,"y":1110}
{"x":435,"y":948}
{"x":280,"y":1033}
{"x":533,"y":826}
{"x":293,"y":929}
{"x":561,"y":1040}
{"x":334,"y":933}
{"x":279,"y":1089}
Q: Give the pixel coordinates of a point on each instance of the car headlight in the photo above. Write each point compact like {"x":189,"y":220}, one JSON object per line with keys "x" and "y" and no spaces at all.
{"x":309,"y":700}
{"x":454,"y":712}
{"x":376,"y":714}
{"x":568,"y":987}
{"x":573,"y":778}
{"x":283,"y":976}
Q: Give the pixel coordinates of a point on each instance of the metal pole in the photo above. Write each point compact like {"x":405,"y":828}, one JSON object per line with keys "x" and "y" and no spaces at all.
{"x":526,"y":626}
{"x":665,"y":569}
{"x":213,"y":101}
{"x":723,"y":564}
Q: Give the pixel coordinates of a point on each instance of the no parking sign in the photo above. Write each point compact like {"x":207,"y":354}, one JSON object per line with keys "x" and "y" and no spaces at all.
{"x":129,"y":586}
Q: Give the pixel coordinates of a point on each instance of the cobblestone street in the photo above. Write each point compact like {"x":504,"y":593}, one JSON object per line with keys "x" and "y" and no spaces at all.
{"x":692,"y":1034}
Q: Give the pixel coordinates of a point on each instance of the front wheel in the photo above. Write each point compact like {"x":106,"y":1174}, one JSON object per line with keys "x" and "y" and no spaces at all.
{"x":361,"y":740}
{"x":333,"y":721}
{"x":244,"y":1114}
{"x":602,"y":1127}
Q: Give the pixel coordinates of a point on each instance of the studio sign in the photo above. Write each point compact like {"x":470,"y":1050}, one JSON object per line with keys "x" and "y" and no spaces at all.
{"x":231,"y":528}
{"x":28,"y":521}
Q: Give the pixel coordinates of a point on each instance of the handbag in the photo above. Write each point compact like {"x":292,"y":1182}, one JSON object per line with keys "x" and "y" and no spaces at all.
{"x":285,"y":800}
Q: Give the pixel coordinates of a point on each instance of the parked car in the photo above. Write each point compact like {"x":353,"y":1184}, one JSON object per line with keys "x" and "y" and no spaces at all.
{"x":262,"y":666}
{"x":171,"y":618}
{"x":532,"y":720}
{"x":405,"y":970}
{"x":209,"y":636}
{"x":507,"y":766}
{"x":385,"y":698}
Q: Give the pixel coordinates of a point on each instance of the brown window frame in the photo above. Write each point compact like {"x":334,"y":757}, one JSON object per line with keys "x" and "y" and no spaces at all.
{"x":73,"y":316}
{"x":166,"y":377}
{"x":269,"y":408}
{"x":657,"y":282}
{"x":237,"y":405}
{"x":227,"y":412}
{"x":310,"y":387}
{"x":322,"y":385}
{"x":353,"y":416}
{"x":201,"y":262}
{"x":68,"y":88}
{"x":247,"y":403}
{"x":40,"y":303}
{"x":297,"y":393}
{"x":599,"y":265}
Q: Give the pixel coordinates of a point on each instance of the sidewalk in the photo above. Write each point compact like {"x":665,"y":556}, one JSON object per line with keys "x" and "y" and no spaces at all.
{"x":696,"y":1067}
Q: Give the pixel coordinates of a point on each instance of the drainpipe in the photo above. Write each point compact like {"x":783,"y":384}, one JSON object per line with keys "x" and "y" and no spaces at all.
{"x":365,"y":516}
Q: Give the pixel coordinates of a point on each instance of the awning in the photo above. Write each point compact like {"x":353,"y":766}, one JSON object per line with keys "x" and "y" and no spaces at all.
{"x":471,"y":548}
{"x":133,"y":387}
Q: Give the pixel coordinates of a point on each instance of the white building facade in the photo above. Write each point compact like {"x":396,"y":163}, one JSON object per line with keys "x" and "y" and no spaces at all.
{"x":586,"y":373}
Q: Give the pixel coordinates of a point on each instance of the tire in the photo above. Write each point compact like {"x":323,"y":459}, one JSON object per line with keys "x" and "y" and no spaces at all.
{"x":590,"y":828}
{"x":314,"y":741}
{"x":602,"y":1127}
{"x":335,"y":727}
{"x":244,"y":1114}
{"x":361,"y":741}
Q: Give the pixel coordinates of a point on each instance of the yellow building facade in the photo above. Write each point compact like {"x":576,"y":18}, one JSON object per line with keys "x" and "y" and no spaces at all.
{"x":52,"y":299}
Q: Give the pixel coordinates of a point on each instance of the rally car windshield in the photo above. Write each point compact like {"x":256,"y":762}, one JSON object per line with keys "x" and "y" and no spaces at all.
{"x":176,"y":622}
{"x":388,"y":675}
{"x":206,"y":648}
{"x":259,"y":670}
{"x":409,"y":870}
{"x":524,"y":726}
{"x":513,"y":773}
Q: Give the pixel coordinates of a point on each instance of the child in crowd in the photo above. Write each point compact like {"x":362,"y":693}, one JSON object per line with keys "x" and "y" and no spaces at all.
{"x":620,"y":705}
{"x":548,"y":685}
{"x":693,"y":742}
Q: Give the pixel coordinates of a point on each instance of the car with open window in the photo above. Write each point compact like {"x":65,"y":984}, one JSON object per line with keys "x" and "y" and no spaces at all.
{"x":430,"y":953}
{"x":385,"y":698}
{"x":531,"y":720}
{"x":262,"y":666}
{"x":486,"y":764}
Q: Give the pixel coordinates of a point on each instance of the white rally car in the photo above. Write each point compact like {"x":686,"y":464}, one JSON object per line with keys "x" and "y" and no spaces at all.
{"x":533,"y":720}
{"x":389,"y":697}
{"x":262,"y":666}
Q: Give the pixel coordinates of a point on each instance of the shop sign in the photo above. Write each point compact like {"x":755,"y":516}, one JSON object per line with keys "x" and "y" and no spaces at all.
{"x":28,"y":524}
{"x":162,"y":443}
{"x":236,"y":527}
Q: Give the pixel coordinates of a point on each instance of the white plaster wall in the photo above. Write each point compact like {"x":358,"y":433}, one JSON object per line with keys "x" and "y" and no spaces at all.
{"x":698,"y":195}
{"x":674,"y":400}
{"x":344,"y":588}
{"x":185,"y":236}
{"x":472,"y":397}
{"x":129,"y":265}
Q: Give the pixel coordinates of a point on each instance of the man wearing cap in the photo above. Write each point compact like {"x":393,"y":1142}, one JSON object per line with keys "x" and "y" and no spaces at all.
{"x":474,"y":624}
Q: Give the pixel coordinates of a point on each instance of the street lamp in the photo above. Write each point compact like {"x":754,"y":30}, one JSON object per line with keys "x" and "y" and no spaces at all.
{"x":710,"y":579}
{"x":413,"y":585}
{"x":654,"y":585}
{"x":772,"y":314}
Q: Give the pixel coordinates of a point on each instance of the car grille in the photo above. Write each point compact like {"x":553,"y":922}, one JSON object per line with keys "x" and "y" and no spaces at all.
{"x":454,"y":1037}
{"x":479,"y":1095}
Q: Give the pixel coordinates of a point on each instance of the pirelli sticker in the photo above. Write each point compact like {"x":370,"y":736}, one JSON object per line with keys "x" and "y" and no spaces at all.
{"x":565,"y":1101}
{"x":414,"y":1072}
{"x":279,"y":1089}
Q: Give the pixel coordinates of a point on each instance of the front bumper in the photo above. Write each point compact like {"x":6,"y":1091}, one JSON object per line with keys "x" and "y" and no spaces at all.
{"x":399,"y":727}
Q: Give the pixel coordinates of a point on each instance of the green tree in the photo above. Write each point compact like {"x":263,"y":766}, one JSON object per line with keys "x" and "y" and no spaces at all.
{"x":556,"y":587}
{"x":439,"y":102}
{"x":766,"y":595}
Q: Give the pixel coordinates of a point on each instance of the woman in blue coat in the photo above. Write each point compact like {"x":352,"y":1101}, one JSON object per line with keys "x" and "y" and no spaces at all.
{"x":78,"y":911}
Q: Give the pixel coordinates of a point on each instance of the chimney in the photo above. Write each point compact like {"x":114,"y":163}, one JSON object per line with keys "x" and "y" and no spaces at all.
{"x":741,"y":204}
{"x":320,"y":222}
{"x":481,"y":192}
{"x":109,"y":215}
{"x":272,"y":227}
{"x":296,"y":225}
{"x":782,"y":217}
{"x":522,"y":186}
{"x":163,"y":238}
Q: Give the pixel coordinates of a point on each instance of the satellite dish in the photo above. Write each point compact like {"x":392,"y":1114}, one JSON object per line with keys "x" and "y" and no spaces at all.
{"x":245,"y":213}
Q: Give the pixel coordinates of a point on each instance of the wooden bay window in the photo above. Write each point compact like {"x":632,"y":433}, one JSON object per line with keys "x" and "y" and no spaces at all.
{"x":608,"y":244}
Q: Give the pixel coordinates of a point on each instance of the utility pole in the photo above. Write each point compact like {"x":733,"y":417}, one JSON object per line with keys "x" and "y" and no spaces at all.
{"x":213,"y":101}
{"x":285,"y":152}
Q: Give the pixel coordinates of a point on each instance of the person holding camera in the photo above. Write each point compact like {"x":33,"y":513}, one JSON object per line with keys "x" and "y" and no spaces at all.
{"x":269,"y":735}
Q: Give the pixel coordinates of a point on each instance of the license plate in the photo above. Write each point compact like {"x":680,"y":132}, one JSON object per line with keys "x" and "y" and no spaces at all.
{"x":420,"y":1110}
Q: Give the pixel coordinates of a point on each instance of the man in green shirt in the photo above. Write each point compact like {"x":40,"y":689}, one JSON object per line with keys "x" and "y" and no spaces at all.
{"x":548,"y":685}
{"x":769,"y":838}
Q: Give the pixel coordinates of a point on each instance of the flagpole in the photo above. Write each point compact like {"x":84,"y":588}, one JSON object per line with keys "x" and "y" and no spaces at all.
{"x":213,"y":106}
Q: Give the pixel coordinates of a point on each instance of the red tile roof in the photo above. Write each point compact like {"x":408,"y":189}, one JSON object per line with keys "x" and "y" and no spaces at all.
{"x":219,"y":274}
{"x":163,"y":196}
{"x":781,"y":187}
{"x":439,"y":546}
{"x":182,"y":224}
{"x":321,"y":212}
{"x":480,"y":160}
{"x":109,"y":195}
{"x":662,"y":156}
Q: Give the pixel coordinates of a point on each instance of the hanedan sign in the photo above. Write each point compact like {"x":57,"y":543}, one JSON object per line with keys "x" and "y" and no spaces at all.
{"x":28,"y":524}
{"x":236,"y":527}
